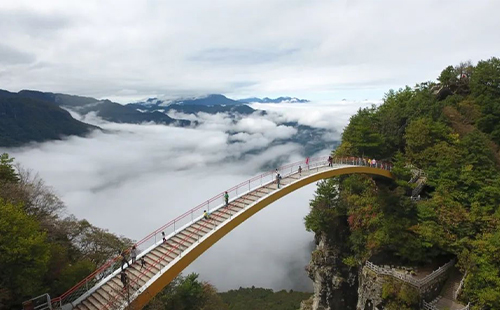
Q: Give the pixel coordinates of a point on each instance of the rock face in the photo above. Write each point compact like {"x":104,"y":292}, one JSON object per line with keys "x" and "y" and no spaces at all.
{"x":335,"y":283}
{"x":369,"y":290}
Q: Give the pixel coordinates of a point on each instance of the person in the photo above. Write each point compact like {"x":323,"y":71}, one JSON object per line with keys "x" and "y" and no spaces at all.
{"x":163,"y":235}
{"x":307,"y":163}
{"x":123,"y":256}
{"x":123,"y":278}
{"x":143,"y":262}
{"x":276,"y":174}
{"x":133,"y":253}
{"x":300,"y":171}
{"x":226,"y":198}
{"x":278,"y":178}
{"x":374,"y":163}
{"x":330,"y":161}
{"x":206,"y":215}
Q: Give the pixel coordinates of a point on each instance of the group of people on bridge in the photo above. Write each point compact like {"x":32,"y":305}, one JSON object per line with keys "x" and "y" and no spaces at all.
{"x":361,"y":161}
{"x":124,"y":260}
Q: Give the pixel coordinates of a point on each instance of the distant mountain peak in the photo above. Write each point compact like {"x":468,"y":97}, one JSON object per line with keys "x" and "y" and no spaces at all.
{"x":276,"y":100}
{"x":205,"y":100}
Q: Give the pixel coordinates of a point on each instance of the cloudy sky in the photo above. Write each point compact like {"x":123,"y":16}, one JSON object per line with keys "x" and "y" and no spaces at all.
{"x":317,"y":49}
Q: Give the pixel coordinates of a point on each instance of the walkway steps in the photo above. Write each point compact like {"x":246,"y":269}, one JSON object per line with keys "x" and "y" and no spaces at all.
{"x":447,"y":300}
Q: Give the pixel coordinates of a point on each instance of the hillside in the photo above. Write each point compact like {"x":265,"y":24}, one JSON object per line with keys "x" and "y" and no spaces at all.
{"x":193,"y":109}
{"x":260,"y":298}
{"x":24,"y":120}
{"x":450,"y":130}
{"x":105,"y":109}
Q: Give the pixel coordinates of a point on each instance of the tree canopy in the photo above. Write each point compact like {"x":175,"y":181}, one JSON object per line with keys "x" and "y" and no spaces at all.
{"x":451,"y":130}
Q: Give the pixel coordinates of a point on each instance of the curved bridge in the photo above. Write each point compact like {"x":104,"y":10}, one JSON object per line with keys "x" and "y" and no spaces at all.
{"x":189,"y":235}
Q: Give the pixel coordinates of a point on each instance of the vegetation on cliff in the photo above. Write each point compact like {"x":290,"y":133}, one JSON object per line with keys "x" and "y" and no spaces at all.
{"x":451,"y":130}
{"x":41,"y":251}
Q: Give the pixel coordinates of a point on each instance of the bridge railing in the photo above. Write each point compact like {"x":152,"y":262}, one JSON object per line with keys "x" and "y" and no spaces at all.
{"x":418,"y":283}
{"x":308,"y":166}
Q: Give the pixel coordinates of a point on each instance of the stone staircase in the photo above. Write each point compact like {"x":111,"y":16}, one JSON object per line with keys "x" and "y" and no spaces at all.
{"x":419,"y":179}
{"x":447,"y":300}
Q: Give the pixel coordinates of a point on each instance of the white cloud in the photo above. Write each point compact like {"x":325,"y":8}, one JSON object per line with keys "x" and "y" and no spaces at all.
{"x":131,"y":179}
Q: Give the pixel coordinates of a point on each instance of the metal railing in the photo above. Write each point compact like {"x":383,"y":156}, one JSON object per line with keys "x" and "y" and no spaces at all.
{"x":418,"y":283}
{"x":41,"y":302}
{"x":459,"y":288}
{"x":308,"y":166}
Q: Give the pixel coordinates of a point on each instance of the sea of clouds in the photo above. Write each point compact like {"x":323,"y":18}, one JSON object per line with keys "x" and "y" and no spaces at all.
{"x":132,"y":179}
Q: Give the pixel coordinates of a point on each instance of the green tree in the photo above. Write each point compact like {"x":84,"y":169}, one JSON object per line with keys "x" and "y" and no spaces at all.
{"x":486,"y":78}
{"x":7,"y":171}
{"x":324,"y":206}
{"x":448,"y":76}
{"x":187,"y":293}
{"x":24,"y":255}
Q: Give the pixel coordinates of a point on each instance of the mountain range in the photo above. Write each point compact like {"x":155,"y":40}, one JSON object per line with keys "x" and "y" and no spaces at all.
{"x":277,"y":100}
{"x":37,"y":116}
{"x":213,"y":100}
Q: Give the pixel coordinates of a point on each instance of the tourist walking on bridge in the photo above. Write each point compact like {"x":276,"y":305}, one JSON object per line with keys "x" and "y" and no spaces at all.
{"x":226,"y":199}
{"x":206,"y":215}
{"x":300,"y":171}
{"x":330,"y":161}
{"x":133,"y":253}
{"x":123,"y":256}
{"x":123,"y":278}
{"x":278,"y":178}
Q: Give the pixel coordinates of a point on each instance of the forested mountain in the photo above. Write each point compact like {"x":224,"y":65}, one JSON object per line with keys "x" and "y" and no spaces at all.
{"x":255,"y":298}
{"x":450,"y":130}
{"x":193,"y":109}
{"x":105,"y":109}
{"x":24,"y":120}
{"x":188,"y":293}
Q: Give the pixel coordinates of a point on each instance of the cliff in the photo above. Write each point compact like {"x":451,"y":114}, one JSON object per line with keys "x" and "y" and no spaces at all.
{"x":453,"y":136}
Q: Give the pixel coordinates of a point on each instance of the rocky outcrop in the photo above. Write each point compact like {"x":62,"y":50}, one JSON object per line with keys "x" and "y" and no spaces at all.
{"x":335,"y":283}
{"x":369,"y":290}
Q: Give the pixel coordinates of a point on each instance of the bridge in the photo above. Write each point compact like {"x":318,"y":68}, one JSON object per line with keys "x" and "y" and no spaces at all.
{"x":172,"y":247}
